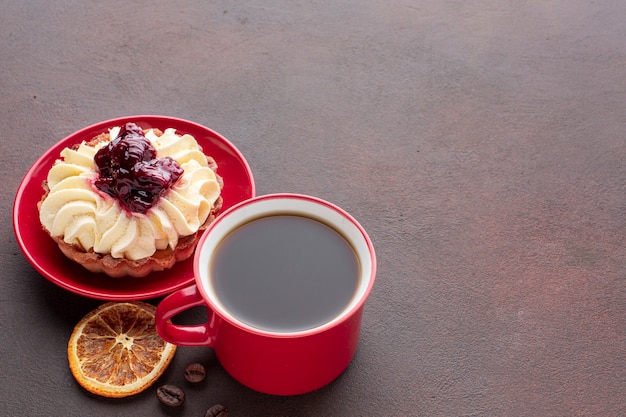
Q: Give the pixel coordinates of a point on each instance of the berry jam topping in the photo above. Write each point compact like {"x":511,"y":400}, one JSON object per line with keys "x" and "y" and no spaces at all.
{"x":130,"y":171}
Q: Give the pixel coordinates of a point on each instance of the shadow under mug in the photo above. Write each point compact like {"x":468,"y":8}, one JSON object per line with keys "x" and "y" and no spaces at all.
{"x":272,"y":362}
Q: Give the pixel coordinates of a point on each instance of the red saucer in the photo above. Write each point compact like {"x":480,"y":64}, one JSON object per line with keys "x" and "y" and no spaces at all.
{"x":43,"y":253}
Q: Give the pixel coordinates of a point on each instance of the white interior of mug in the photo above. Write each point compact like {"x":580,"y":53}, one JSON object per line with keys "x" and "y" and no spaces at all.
{"x":269,"y":205}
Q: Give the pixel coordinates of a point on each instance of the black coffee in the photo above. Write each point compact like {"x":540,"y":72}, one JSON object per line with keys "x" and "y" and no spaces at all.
{"x":284,"y":273}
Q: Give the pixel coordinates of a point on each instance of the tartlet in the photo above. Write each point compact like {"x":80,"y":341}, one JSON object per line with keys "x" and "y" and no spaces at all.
{"x":93,"y":196}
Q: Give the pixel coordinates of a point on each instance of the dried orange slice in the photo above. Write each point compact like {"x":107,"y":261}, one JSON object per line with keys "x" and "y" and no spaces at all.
{"x":115,"y":351}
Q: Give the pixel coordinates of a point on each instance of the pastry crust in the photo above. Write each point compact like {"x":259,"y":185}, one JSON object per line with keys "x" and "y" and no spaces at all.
{"x":139,"y":268}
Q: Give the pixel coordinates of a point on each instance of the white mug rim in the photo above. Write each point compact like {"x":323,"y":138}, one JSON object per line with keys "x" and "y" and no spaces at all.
{"x":247,"y":210}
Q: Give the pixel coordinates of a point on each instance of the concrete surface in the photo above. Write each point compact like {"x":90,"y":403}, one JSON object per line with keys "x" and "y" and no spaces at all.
{"x":481,"y":144}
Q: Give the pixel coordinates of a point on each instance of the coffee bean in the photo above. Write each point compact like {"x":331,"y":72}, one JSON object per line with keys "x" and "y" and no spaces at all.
{"x":218,"y":410}
{"x":195,"y":373}
{"x":170,"y":395}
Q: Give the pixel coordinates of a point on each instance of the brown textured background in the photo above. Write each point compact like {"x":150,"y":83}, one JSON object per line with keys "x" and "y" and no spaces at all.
{"x":482,"y":144}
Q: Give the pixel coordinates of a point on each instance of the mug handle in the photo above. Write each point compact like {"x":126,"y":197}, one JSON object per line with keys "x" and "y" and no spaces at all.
{"x":184,"y":335}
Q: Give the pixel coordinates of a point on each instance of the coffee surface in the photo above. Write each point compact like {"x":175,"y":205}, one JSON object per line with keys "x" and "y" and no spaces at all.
{"x":284,"y":273}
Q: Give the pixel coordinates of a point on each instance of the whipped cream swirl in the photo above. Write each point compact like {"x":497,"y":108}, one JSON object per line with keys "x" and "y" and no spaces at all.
{"x":77,"y":212}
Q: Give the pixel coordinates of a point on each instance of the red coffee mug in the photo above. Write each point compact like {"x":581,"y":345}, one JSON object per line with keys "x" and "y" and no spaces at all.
{"x":272,"y":362}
